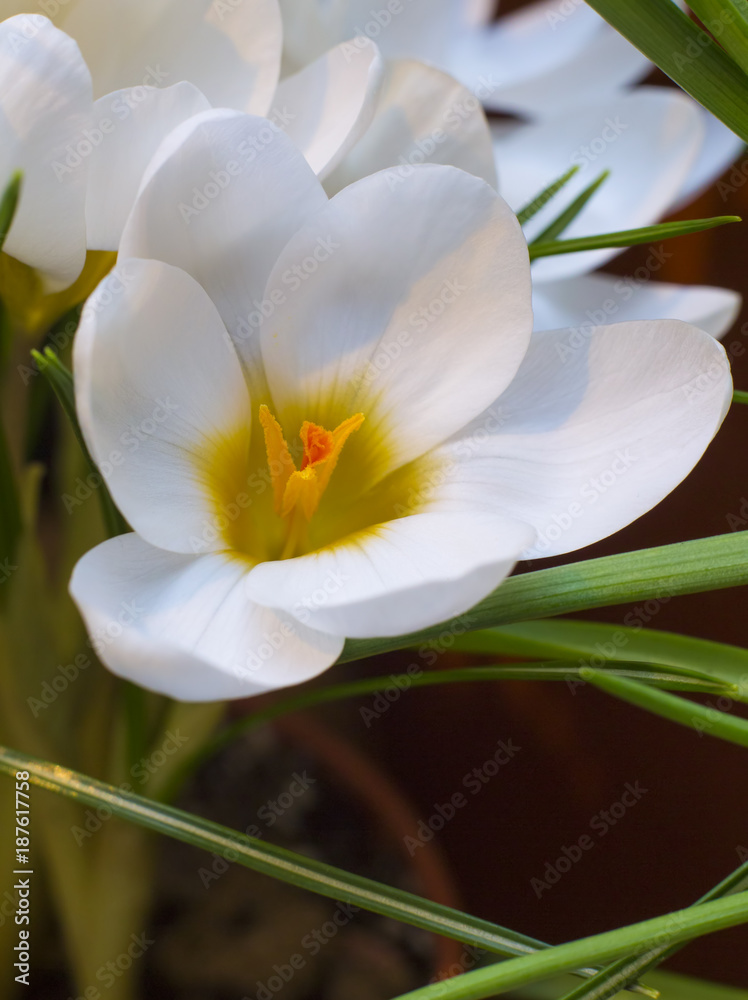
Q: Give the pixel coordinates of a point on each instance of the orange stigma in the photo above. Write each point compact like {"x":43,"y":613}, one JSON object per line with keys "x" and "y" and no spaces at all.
{"x":301,"y":490}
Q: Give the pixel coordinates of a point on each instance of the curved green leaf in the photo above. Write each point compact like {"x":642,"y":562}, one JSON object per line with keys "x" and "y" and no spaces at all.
{"x":658,"y":573}
{"x":601,"y":645}
{"x":277,"y":862}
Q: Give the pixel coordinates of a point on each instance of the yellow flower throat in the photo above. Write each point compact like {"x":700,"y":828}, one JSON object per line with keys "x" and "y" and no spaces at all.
{"x":297,"y":492}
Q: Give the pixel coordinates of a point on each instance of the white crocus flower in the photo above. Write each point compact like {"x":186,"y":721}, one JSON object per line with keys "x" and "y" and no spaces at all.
{"x":83,"y":159}
{"x":655,"y":142}
{"x":231,"y":51}
{"x":542,"y":59}
{"x":327,"y":418}
{"x":660,"y":152}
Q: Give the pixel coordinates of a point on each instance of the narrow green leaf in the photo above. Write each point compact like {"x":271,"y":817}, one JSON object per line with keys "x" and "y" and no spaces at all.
{"x":9,"y":204}
{"x":658,"y":573}
{"x":295,"y":869}
{"x":611,"y":981}
{"x":565,"y":219}
{"x":701,"y":718}
{"x":670,"y":985}
{"x":554,"y":670}
{"x":681,"y":925}
{"x":728,"y":21}
{"x":61,"y":380}
{"x":598,"y":645}
{"x":686,"y":53}
{"x":740,"y":397}
{"x":629,"y":237}
{"x":541,"y":200}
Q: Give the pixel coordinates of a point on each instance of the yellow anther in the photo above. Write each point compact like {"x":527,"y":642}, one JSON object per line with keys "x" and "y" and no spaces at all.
{"x":301,"y":490}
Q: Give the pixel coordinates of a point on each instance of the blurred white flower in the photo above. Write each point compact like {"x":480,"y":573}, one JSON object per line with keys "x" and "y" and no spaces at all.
{"x":560,"y":63}
{"x":328,"y":418}
{"x":544,"y":58}
{"x":83,"y":159}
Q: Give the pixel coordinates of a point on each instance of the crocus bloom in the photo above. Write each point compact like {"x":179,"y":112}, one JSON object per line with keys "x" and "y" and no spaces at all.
{"x":538,"y":61}
{"x":566,"y":68}
{"x":329,"y":417}
{"x":654,"y":141}
{"x":83,"y":159}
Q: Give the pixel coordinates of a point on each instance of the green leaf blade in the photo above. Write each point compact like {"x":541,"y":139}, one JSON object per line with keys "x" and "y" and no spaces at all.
{"x":687,"y":54}
{"x":629,"y":237}
{"x":531,"y":209}
{"x":659,"y":573}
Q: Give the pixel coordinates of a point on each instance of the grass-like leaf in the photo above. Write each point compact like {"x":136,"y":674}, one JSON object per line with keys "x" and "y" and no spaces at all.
{"x":728,"y":22}
{"x":628,"y":237}
{"x":60,"y":379}
{"x":686,"y":53}
{"x":685,"y":679}
{"x":565,"y":218}
{"x":541,"y":200}
{"x":284,"y":865}
{"x":614,"y":647}
{"x":673,"y":928}
{"x":700,"y":718}
{"x":610,"y":981}
{"x":9,"y":204}
{"x":657,"y":573}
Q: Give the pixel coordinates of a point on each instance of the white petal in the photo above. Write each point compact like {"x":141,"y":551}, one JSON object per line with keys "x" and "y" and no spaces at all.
{"x":599,"y":426}
{"x":45,"y":110}
{"x":229,"y":49}
{"x":328,"y":105}
{"x":159,"y":390}
{"x":410,"y":303}
{"x":540,"y":60}
{"x":595,"y":299}
{"x":648,"y":139}
{"x":129,"y":126}
{"x":415,"y":30}
{"x":397,"y":578}
{"x":719,"y":149}
{"x":221,"y":198}
{"x":185,"y":627}
{"x":423,"y":116}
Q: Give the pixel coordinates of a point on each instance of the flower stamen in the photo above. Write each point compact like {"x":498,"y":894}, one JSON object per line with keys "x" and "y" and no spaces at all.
{"x":297,"y":492}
